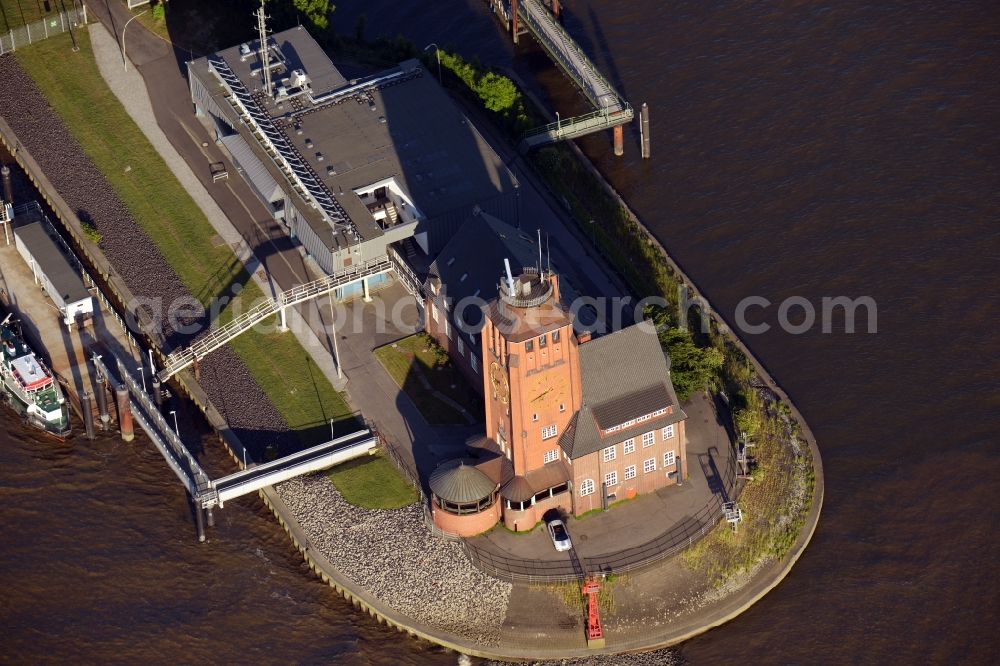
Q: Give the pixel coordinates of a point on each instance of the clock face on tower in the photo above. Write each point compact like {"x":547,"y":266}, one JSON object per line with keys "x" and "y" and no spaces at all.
{"x":548,"y":389}
{"x":498,"y":378}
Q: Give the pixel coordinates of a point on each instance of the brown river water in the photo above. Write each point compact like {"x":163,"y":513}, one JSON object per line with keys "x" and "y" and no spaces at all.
{"x":799,"y":149}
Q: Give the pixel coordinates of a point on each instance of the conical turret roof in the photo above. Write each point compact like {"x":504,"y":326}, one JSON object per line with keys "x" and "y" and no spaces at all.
{"x":460,"y":482}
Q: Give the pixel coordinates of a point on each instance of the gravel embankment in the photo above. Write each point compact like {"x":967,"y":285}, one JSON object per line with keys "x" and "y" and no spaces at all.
{"x":665,"y":657}
{"x":130,"y":251}
{"x":392,"y":555}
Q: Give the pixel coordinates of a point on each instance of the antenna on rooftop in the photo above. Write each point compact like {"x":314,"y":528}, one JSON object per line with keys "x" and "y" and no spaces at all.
{"x":510,"y":276}
{"x":265,"y":55}
{"x":539,"y":251}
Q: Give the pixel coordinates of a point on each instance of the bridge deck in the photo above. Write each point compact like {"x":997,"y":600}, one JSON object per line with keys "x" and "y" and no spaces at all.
{"x":610,"y":110}
{"x":218,"y":337}
{"x":316,"y":458}
{"x":564,"y":50}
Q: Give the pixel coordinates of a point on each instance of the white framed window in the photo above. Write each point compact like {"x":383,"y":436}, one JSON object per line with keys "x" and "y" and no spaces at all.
{"x":610,"y":453}
{"x":461,"y":347}
{"x":669,"y":458}
{"x":630,"y":472}
{"x":562,"y":407}
{"x":611,"y":479}
{"x":629,"y":446}
{"x":474,"y":362}
{"x":648,"y":438}
{"x":586,"y":487}
{"x":434,"y":312}
{"x":549,"y":431}
{"x":534,"y":417}
{"x":668,"y":431}
{"x":551,"y":456}
{"x":447,"y":327}
{"x":649,"y":465}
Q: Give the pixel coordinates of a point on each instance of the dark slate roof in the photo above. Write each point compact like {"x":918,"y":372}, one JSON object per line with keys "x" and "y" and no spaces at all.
{"x":476,"y":253}
{"x":52,"y":262}
{"x":638,"y":403}
{"x":625,"y":375}
{"x":459,"y":481}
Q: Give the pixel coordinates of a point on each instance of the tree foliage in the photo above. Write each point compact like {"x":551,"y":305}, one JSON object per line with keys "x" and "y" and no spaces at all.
{"x":691,"y":367}
{"x":497,"y":92}
{"x":748,"y":422}
{"x":317,"y":12}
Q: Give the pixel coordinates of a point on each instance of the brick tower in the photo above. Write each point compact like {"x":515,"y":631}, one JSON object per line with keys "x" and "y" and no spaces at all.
{"x":532,"y":382}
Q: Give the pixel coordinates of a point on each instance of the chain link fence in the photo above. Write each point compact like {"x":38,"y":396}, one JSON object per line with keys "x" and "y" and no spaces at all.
{"x":35,"y":31}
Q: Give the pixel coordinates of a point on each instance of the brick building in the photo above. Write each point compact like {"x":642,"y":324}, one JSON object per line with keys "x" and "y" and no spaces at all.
{"x":463,"y":278}
{"x":581,"y":422}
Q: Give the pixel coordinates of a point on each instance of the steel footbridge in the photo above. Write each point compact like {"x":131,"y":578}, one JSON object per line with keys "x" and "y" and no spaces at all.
{"x":207,"y":492}
{"x":610,"y":109}
{"x":217,"y":337}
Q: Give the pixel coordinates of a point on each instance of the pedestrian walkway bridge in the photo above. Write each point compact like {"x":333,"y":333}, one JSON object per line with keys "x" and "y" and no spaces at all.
{"x":208,"y":493}
{"x":610,"y":109}
{"x":316,"y":458}
{"x":218,"y":337}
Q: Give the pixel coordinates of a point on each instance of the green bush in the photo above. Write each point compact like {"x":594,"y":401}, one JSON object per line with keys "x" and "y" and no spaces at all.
{"x":91,"y":232}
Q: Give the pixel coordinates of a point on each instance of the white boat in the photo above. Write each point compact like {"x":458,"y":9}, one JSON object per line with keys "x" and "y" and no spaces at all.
{"x":29,"y":386}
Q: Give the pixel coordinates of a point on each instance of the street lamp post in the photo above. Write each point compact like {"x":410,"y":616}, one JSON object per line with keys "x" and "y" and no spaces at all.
{"x":558,"y":125}
{"x":177,"y":431}
{"x":142,"y":375}
{"x":437,"y":52}
{"x":333,"y":318}
{"x":124,"y":58}
{"x":331,"y":431}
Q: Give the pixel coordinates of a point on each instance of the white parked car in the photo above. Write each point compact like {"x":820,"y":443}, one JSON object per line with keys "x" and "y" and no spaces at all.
{"x":560,"y":537}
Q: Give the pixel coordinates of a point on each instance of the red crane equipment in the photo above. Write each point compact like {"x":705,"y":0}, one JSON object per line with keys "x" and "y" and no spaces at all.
{"x":595,"y":633}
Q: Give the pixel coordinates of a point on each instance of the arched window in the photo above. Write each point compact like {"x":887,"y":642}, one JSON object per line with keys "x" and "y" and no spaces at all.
{"x":586,"y":487}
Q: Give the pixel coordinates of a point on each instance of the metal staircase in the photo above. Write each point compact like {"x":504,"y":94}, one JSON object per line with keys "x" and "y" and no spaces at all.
{"x":218,"y":337}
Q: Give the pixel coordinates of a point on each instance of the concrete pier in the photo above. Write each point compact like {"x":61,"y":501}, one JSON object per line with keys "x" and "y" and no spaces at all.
{"x":87,"y":407}
{"x":8,"y":187}
{"x":124,"y":414}
{"x":199,"y":519}
{"x":66,"y":349}
{"x":101,"y":393}
{"x":619,"y":135}
{"x":644,"y":130}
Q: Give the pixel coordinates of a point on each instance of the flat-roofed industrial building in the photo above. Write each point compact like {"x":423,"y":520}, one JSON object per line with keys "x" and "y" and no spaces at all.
{"x":53,"y":267}
{"x":349,"y":167}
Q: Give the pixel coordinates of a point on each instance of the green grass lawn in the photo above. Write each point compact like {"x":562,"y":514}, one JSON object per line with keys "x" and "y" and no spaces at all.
{"x":15,"y":13}
{"x":372,"y":483}
{"x":419,"y":356}
{"x":161,"y":206}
